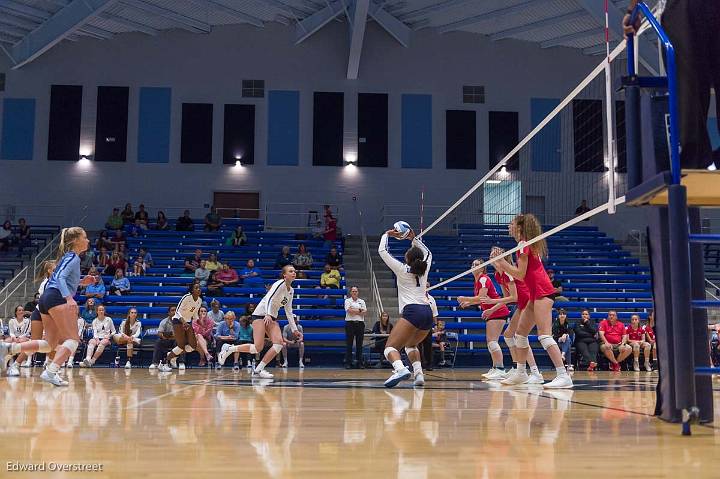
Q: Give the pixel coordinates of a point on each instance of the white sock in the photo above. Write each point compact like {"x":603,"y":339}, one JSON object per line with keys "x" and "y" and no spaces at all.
{"x":233,"y":349}
{"x":398,"y":365}
{"x":520,"y":366}
{"x":53,"y":368}
{"x":260,"y":366}
{"x":534,"y":369}
{"x":14,"y":348}
{"x":417,"y":367}
{"x":561,"y":370}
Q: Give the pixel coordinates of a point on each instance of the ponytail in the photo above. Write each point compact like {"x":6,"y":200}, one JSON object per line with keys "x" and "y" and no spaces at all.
{"x":416,"y":261}
{"x":67,"y":239}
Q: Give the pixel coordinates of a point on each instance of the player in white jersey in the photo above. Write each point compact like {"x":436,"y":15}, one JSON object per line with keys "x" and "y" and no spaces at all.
{"x":415,"y":311}
{"x":36,"y":343}
{"x":265,"y":322}
{"x":187,"y":310}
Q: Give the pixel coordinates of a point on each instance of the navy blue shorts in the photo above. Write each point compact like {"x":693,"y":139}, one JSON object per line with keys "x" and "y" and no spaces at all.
{"x":49,"y":299}
{"x":419,"y":315}
{"x":35,"y":316}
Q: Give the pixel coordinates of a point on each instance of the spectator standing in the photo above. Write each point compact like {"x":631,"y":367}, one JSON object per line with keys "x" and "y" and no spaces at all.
{"x":355,"y":311}
{"x":613,"y":341}
{"x":330,"y":234}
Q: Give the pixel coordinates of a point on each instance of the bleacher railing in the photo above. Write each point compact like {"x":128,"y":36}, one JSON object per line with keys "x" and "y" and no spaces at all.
{"x":295,"y":216}
{"x":375,"y":298}
{"x":13,"y":288}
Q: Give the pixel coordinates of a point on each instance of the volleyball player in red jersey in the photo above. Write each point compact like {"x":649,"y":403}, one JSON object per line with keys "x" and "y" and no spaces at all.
{"x":515,"y":291}
{"x":650,"y":334}
{"x":496,"y":316}
{"x":530,"y":269}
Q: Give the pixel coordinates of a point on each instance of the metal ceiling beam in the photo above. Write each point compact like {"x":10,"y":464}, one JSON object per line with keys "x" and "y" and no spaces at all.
{"x":240,"y":15}
{"x":97,"y":31}
{"x":299,"y":11}
{"x":648,"y":55}
{"x":190,"y":24}
{"x":511,"y":32}
{"x":491,"y":15}
{"x":18,"y":22}
{"x":598,"y":49}
{"x":358,"y":21}
{"x":60,"y":25}
{"x":13,"y":31}
{"x":440,"y":7}
{"x":397,"y":29}
{"x":140,"y":27}
{"x":26,"y":9}
{"x":316,"y":21}
{"x":571,"y":37}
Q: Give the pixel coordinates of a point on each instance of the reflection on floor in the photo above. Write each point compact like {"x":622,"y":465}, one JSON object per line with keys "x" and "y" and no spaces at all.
{"x":328,"y":423}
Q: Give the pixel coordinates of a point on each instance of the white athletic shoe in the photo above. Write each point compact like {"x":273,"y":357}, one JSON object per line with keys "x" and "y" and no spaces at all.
{"x":26,"y":364}
{"x":561,"y":381}
{"x":13,"y":370}
{"x":284,"y":365}
{"x":495,"y":374}
{"x":263,"y":374}
{"x":70,"y":363}
{"x":648,"y":368}
{"x":128,"y":365}
{"x":223,"y":355}
{"x":86,"y":363}
{"x":419,"y":380}
{"x":181,"y":367}
{"x":53,"y":379}
{"x":636,"y":366}
{"x":398,"y":376}
{"x":302,"y":365}
{"x":173,"y":363}
{"x":517,"y":377}
{"x":5,"y":355}
{"x":535,"y":378}
{"x":164,"y":368}
{"x":153,"y":366}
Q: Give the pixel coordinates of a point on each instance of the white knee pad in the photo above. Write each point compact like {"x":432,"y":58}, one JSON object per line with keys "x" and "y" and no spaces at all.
{"x":253,"y":349}
{"x":521,"y":341}
{"x":546,"y":341}
{"x":509,"y":341}
{"x":43,"y":346}
{"x":72,"y":345}
{"x":389,"y":350}
{"x":188,"y":348}
{"x":177,"y":351}
{"x":277,"y":347}
{"x":410,"y":350}
{"x":493,"y":346}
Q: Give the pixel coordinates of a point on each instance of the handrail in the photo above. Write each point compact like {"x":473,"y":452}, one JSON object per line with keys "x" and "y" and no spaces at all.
{"x":20,"y":280}
{"x":672,"y":82}
{"x":375,"y":297}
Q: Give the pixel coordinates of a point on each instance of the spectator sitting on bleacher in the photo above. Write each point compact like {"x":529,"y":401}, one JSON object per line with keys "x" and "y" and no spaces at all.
{"x":334,"y":259}
{"x":192,"y":263}
{"x":586,"y":339}
{"x":714,"y":344}
{"x":238,"y":238}
{"x":165,"y":340}
{"x":245,"y":336}
{"x":613,"y":340}
{"x":136,"y":229}
{"x":212,"y":220}
{"x":440,"y":340}
{"x":31,"y":305}
{"x":104,"y":241}
{"x":139,"y":266}
{"x":289,"y":341}
{"x":146,"y":256}
{"x":283,"y":259}
{"x":114,"y":221}
{"x":636,"y":339}
{"x":117,"y":261}
{"x":117,"y":240}
{"x":227,"y":332}
{"x":251,"y":275}
{"x":216,"y":314}
{"x":96,"y":290}
{"x":129,"y":334}
{"x":89,"y":312}
{"x":227,"y":275}
{"x":87,"y":261}
{"x":120,"y":284}
{"x":330,"y":278}
{"x":161,"y":223}
{"x":103,"y":258}
{"x":381,"y":326}
{"x":127,"y":214}
{"x":214,"y":285}
{"x":557,"y":295}
{"x":202,"y":274}
{"x":650,"y":333}
{"x":142,"y":216}
{"x":302,"y":259}
{"x":103,"y":331}
{"x":318,"y":230}
{"x":19,"y":326}
{"x":562,"y":334}
{"x":203,"y":327}
{"x":184,"y":223}
{"x":212,"y":264}
{"x":23,"y":234}
{"x":6,"y":236}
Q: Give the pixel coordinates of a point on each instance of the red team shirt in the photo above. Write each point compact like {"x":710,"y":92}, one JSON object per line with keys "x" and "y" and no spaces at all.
{"x":523,"y":295}
{"x":650,"y":333}
{"x":635,"y":334}
{"x":613,"y":334}
{"x":484,"y":282}
{"x":536,"y":278}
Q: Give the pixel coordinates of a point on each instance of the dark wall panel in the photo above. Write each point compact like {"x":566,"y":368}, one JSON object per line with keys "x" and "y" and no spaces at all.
{"x":372,"y":129}
{"x":111,"y":123}
{"x":196,"y":140}
{"x":328,"y":111}
{"x":460,"y":139}
{"x":588,"y":135}
{"x":503,"y":135}
{"x":64,"y":125}
{"x":239,"y":134}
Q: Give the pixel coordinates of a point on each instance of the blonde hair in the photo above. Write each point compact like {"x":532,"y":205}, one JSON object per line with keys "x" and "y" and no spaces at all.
{"x":44,"y":271}
{"x":68,"y":236}
{"x":530,"y":228}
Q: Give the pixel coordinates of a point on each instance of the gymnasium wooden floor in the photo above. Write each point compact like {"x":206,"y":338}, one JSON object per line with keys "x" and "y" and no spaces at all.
{"x":332,"y":424}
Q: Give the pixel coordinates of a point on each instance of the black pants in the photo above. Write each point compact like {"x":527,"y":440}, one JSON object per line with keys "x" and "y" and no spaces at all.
{"x":354,"y":331}
{"x":162,"y":346}
{"x":426,"y":353}
{"x":693,"y":27}
{"x":588,"y":350}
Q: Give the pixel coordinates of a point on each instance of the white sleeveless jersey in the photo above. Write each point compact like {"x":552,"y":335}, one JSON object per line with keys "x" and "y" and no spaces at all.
{"x":188,"y":308}
{"x":41,"y":290}
{"x":411,"y":288}
{"x":277,"y":297}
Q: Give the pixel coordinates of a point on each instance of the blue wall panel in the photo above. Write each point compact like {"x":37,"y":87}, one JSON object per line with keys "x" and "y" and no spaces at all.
{"x":154,"y":125}
{"x":714,"y":134}
{"x":546,"y":144}
{"x":283,"y":127}
{"x":417,"y":131}
{"x":18,"y":132}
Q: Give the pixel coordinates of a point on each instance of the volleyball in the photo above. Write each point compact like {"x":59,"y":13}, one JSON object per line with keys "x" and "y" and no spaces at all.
{"x":403,"y":228}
